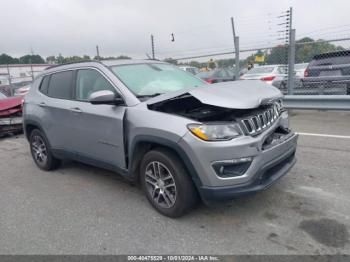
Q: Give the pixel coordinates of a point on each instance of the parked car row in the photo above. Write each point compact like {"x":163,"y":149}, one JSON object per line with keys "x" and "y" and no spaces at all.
{"x":217,"y":75}
{"x":327,"y":73}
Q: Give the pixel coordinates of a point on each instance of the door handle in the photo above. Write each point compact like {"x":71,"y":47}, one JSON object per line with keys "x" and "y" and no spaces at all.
{"x":76,"y":110}
{"x":42,"y":104}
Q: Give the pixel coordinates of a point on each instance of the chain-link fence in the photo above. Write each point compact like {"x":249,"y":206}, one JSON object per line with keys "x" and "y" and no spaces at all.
{"x":320,"y":67}
{"x":15,"y":79}
{"x":313,"y":74}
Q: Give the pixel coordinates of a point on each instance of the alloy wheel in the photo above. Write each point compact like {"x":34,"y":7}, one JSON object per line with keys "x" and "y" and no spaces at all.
{"x":160,"y":184}
{"x":39,"y":150}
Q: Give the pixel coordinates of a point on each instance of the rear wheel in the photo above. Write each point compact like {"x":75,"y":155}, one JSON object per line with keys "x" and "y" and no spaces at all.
{"x":41,"y":151}
{"x":166,"y":183}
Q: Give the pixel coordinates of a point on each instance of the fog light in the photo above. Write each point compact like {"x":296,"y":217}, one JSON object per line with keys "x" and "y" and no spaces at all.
{"x":232,"y":168}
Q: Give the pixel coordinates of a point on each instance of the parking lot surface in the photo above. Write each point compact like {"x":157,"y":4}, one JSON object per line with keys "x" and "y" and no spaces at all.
{"x":79,"y":209}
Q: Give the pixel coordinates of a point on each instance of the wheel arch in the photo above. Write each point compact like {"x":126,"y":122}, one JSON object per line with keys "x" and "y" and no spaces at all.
{"x":29,"y":126}
{"x":143,"y":143}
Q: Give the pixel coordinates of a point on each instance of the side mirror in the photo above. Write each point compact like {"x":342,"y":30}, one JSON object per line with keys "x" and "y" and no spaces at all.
{"x":105,"y":97}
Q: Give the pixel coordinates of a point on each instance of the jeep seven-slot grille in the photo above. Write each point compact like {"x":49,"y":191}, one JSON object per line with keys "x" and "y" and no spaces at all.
{"x":254,"y":125}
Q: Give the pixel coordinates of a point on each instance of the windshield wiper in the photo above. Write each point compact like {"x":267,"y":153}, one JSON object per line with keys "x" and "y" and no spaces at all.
{"x":152,"y":95}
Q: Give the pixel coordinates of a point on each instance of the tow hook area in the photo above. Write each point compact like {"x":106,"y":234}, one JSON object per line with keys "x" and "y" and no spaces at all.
{"x":278,"y":136}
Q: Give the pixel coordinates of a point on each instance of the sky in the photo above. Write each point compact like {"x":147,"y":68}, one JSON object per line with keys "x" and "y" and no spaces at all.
{"x":75,"y":27}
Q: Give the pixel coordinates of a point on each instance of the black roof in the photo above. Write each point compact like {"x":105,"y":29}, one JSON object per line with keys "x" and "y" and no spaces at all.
{"x":332,"y":54}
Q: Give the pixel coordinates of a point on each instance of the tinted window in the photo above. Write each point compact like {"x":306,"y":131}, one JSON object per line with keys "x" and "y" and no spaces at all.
{"x":44,"y":85}
{"x":60,"y":85}
{"x":339,"y":60}
{"x":89,"y":81}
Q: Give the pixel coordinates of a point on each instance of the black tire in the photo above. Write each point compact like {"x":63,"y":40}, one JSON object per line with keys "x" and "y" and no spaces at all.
{"x":47,"y":163}
{"x":186,"y":195}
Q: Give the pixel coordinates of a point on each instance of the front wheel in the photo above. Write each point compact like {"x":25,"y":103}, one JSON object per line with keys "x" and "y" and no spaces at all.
{"x":166,"y":183}
{"x":41,"y":151}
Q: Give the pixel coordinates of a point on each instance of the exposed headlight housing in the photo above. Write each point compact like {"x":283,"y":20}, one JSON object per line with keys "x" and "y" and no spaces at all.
{"x":215,"y":132}
{"x":279,"y":105}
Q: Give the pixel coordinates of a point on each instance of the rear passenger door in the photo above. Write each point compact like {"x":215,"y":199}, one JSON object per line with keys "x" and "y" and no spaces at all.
{"x":98,"y":129}
{"x":56,"y":107}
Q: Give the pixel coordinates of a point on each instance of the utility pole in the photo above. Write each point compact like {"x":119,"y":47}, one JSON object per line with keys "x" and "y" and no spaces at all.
{"x":152,"y":45}
{"x":98,"y":53}
{"x":31,"y":69}
{"x":236,"y":44}
{"x":10,"y":82}
{"x":291,"y":55}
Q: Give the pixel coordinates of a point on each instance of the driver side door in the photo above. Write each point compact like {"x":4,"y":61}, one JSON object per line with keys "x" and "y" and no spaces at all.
{"x":98,"y":129}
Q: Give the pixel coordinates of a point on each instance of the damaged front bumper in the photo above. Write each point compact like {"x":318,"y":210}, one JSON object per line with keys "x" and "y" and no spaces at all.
{"x":10,"y":125}
{"x":254,"y":163}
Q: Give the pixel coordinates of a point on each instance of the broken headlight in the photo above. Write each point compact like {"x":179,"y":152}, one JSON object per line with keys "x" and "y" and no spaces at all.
{"x":214,"y":132}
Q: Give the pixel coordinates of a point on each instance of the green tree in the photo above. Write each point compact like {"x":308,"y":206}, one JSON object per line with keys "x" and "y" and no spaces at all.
{"x":50,"y":59}
{"x":123,"y":57}
{"x":6,"y":59}
{"x":211,"y":64}
{"x":31,"y":59}
{"x":170,"y":60}
{"x":307,"y":48}
{"x":278,"y":55}
{"x":226,"y":62}
{"x":60,"y":59}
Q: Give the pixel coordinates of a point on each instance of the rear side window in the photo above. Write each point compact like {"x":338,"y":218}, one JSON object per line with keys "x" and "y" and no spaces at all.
{"x":331,"y":60}
{"x":44,"y":87}
{"x":60,"y":85}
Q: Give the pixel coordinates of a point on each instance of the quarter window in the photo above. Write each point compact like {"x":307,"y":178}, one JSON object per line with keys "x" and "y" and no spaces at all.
{"x":44,"y":87}
{"x":60,"y":85}
{"x":89,"y":81}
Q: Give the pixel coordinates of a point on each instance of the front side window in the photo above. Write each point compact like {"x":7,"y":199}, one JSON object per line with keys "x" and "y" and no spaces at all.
{"x":89,"y":81}
{"x":60,"y":85}
{"x":151,"y":79}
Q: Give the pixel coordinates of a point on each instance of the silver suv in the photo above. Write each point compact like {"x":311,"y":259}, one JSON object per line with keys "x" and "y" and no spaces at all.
{"x":159,"y":126}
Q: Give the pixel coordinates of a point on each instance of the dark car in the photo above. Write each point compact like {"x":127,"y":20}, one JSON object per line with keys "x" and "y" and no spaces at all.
{"x":328,"y":73}
{"x":10,"y":114}
{"x":217,"y":76}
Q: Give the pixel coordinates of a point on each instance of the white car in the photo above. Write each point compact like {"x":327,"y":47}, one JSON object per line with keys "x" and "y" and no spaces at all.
{"x":191,"y":69}
{"x":266,"y":73}
{"x":299,"y":69}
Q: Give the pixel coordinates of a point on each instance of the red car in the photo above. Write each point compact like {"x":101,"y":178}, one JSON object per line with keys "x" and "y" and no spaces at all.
{"x":10,"y":114}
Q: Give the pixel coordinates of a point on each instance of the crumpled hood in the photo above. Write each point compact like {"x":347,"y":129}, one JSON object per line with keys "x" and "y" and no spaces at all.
{"x":10,"y":102}
{"x":235,"y":94}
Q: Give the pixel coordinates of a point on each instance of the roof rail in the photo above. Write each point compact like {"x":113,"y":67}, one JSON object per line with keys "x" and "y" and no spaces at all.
{"x":77,"y":62}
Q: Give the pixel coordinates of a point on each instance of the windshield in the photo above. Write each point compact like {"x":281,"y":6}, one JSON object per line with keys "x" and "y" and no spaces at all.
{"x":152,"y":79}
{"x":261,"y":70}
{"x":300,"y":66}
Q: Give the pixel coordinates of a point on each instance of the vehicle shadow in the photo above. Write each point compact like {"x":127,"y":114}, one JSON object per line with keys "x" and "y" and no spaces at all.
{"x":233,"y":211}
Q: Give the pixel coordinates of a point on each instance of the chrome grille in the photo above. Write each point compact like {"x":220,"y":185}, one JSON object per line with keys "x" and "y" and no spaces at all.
{"x":254,"y":125}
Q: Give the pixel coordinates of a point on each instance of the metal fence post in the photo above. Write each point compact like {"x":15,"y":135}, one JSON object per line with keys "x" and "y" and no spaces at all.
{"x":152,"y":46}
{"x":237,"y":58}
{"x":9,"y":78}
{"x":236,"y":43}
{"x":291,"y":62}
